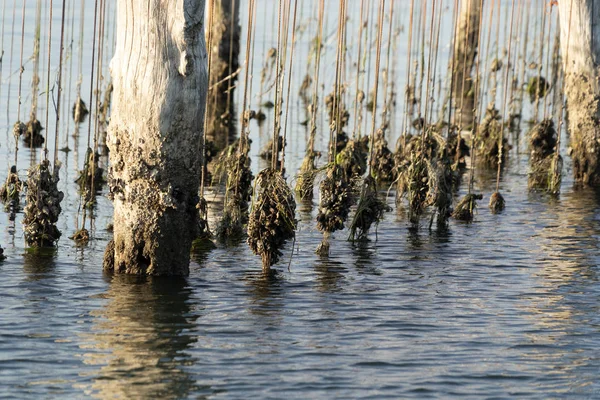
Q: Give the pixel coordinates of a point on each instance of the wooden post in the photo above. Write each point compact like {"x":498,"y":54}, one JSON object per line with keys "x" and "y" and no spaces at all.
{"x":465,"y":51}
{"x":159,"y":75}
{"x":580,"y":46}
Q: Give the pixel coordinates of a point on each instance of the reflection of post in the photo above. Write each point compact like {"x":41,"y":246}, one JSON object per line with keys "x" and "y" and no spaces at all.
{"x":225,"y":48}
{"x":465,"y":50}
{"x":580,"y":46}
{"x":147,"y":328}
{"x":160,"y":80}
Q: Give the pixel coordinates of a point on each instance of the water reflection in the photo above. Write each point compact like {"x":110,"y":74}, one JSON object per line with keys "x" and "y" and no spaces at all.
{"x":364,"y":254}
{"x":329,"y":275}
{"x":39,"y":264}
{"x":142,"y":338}
{"x":266,"y":290}
{"x":561,"y":304}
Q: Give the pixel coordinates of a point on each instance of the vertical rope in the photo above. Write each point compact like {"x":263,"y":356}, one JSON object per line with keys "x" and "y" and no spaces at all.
{"x":20,"y":80}
{"x":360,"y":40}
{"x":48,"y":82}
{"x":313,"y":117}
{"x":376,"y":87}
{"x":563,"y":102}
{"x":287,"y":107}
{"x":60,"y":67}
{"x":409,"y":65}
{"x":504,"y":102}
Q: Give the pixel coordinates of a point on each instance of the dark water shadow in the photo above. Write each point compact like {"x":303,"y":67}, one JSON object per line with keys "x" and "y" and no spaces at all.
{"x":142,"y":339}
{"x":201,"y":249}
{"x":363,"y":252}
{"x":266,"y":290}
{"x":330,"y":275}
{"x":39,"y":263}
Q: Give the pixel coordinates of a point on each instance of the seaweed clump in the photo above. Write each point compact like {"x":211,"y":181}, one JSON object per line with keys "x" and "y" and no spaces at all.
{"x":43,"y":205}
{"x":336,"y":199}
{"x":272,"y":221}
{"x":546,"y":163}
{"x":370,"y":210}
{"x":10,"y":190}
{"x":465,"y":209}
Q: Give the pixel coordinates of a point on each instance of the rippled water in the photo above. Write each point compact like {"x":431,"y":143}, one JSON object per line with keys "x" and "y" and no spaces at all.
{"x":505,"y":307}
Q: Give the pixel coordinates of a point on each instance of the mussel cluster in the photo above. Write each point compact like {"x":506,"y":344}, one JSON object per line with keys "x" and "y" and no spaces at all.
{"x":306,"y":176}
{"x":236,"y":163}
{"x":353,"y":159}
{"x":10,"y":190}
{"x":90,"y":176}
{"x":489,"y":137}
{"x":272,"y":220}
{"x":465,"y":209}
{"x":80,"y":111}
{"x":546,"y":163}
{"x":32,"y":135}
{"x":383,"y":159}
{"x":336,"y":199}
{"x":43,"y":205}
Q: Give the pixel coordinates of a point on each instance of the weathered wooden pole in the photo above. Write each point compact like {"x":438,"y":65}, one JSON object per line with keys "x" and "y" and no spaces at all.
{"x":160,"y":82}
{"x":465,"y":52}
{"x":224,"y":34}
{"x":580,"y":46}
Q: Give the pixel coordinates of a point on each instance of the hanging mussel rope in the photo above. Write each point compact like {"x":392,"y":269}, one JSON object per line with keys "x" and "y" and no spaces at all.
{"x":235,"y":160}
{"x":43,"y":197}
{"x":466,"y":207}
{"x":337,"y":193}
{"x":272,"y":221}
{"x":545,"y":160}
{"x":32,"y":137}
{"x":371,"y":208}
{"x":308,"y":170}
{"x":91,"y":172}
{"x":497,"y":202}
{"x":354,"y":154}
{"x":382,"y":159}
{"x":204,"y":232}
{"x":10,"y":191}
{"x":80,"y":110}
{"x":425,"y":175}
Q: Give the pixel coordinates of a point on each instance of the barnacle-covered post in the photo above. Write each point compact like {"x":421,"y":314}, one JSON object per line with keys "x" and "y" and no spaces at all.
{"x":160,"y":81}
{"x":224,"y":33}
{"x":580,"y":46}
{"x":465,"y":51}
